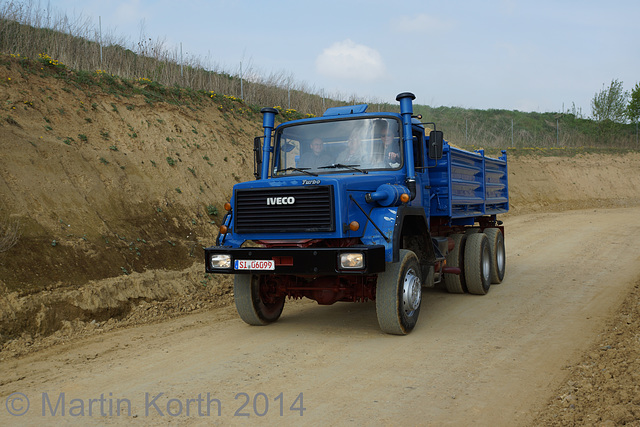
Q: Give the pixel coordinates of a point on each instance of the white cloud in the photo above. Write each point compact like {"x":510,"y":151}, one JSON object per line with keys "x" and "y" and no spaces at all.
{"x":349,"y":60}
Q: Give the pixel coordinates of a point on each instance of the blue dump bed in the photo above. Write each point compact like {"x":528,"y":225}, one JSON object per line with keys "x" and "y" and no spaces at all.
{"x":468,"y":185}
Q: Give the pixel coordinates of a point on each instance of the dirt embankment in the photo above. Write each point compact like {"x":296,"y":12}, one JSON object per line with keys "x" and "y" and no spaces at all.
{"x":539,"y":183}
{"x":111,"y":189}
{"x":603,"y":387}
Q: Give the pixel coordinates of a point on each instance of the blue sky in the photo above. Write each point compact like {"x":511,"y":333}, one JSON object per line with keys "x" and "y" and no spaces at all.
{"x":506,"y":54}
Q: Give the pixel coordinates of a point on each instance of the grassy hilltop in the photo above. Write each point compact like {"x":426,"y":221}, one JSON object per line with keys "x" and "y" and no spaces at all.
{"x":28,"y":32}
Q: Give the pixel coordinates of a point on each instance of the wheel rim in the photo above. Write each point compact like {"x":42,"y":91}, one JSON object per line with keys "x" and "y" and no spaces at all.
{"x":486,"y":265}
{"x":411,"y":291}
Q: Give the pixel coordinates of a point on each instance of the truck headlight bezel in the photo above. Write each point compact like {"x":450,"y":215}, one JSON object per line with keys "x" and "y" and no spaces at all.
{"x":220,"y":261}
{"x":351,"y":261}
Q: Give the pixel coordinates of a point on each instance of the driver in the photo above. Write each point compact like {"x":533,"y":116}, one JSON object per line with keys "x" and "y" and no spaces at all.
{"x":352,"y":155}
{"x":316,"y":157}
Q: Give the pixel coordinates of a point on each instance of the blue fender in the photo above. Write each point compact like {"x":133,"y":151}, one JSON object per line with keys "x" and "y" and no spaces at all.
{"x":385,"y":219}
{"x":390,"y":221}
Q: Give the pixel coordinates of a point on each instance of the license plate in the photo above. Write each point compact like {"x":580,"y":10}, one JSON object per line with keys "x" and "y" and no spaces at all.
{"x":261,"y":264}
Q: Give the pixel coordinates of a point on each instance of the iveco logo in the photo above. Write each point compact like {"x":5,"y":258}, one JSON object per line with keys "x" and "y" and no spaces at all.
{"x":280,"y":200}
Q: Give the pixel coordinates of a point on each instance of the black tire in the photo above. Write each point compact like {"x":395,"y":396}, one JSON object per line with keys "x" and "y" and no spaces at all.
{"x":498,"y":257}
{"x":254,"y":307}
{"x":455,"y":283}
{"x":399,"y":295}
{"x":477,"y":264}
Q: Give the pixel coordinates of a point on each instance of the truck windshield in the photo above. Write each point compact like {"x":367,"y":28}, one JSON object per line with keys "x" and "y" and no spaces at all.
{"x":338,"y":146}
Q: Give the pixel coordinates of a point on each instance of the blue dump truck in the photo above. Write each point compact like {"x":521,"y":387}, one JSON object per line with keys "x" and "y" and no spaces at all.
{"x":356,"y":206}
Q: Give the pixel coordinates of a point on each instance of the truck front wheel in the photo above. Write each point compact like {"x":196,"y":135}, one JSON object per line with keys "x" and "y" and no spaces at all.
{"x":256,"y":304}
{"x":399,"y":294}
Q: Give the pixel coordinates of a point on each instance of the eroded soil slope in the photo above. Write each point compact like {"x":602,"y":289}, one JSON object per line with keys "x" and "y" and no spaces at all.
{"x":105,"y":181}
{"x":108,"y":180}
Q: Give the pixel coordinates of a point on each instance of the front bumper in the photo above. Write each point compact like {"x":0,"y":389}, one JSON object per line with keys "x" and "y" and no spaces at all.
{"x":300,"y":261}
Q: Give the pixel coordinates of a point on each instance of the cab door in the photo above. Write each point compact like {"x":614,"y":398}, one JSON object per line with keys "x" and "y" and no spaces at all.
{"x":422,"y":173}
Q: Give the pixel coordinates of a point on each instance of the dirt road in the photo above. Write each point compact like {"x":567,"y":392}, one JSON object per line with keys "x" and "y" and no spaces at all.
{"x":491,"y":360}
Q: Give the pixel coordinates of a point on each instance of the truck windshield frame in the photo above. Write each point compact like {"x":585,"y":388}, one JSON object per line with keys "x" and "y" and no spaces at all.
{"x":338,"y":146}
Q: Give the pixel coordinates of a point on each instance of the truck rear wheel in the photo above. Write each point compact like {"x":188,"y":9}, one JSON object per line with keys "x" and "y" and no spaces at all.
{"x":455,"y":282}
{"x":477,"y":264}
{"x":498,"y":258}
{"x":254,"y":303}
{"x":399,"y":294}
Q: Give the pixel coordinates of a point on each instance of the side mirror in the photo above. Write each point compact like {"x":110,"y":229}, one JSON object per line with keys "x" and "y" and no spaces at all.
{"x":436,"y":139}
{"x":287,"y":147}
{"x":257,"y":156}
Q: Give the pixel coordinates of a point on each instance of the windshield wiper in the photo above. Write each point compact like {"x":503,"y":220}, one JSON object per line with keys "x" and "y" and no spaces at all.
{"x":340,"y":165}
{"x":303,"y":170}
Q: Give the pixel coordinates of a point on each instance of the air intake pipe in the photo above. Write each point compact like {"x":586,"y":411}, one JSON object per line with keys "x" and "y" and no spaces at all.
{"x":406,"y":111}
{"x":388,"y":195}
{"x":268,"y":123}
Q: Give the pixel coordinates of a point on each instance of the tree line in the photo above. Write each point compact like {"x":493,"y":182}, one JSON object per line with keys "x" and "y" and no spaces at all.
{"x":616,"y":105}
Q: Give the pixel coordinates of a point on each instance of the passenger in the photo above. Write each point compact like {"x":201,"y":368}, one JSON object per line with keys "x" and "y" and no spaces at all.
{"x":387,"y":154}
{"x":316,"y":157}
{"x":391,"y":149}
{"x":352,"y":155}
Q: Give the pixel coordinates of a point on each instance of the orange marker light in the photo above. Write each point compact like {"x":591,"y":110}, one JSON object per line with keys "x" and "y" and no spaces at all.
{"x":223,"y":229}
{"x":404,"y":198}
{"x":354,"y":226}
{"x":227,"y":206}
